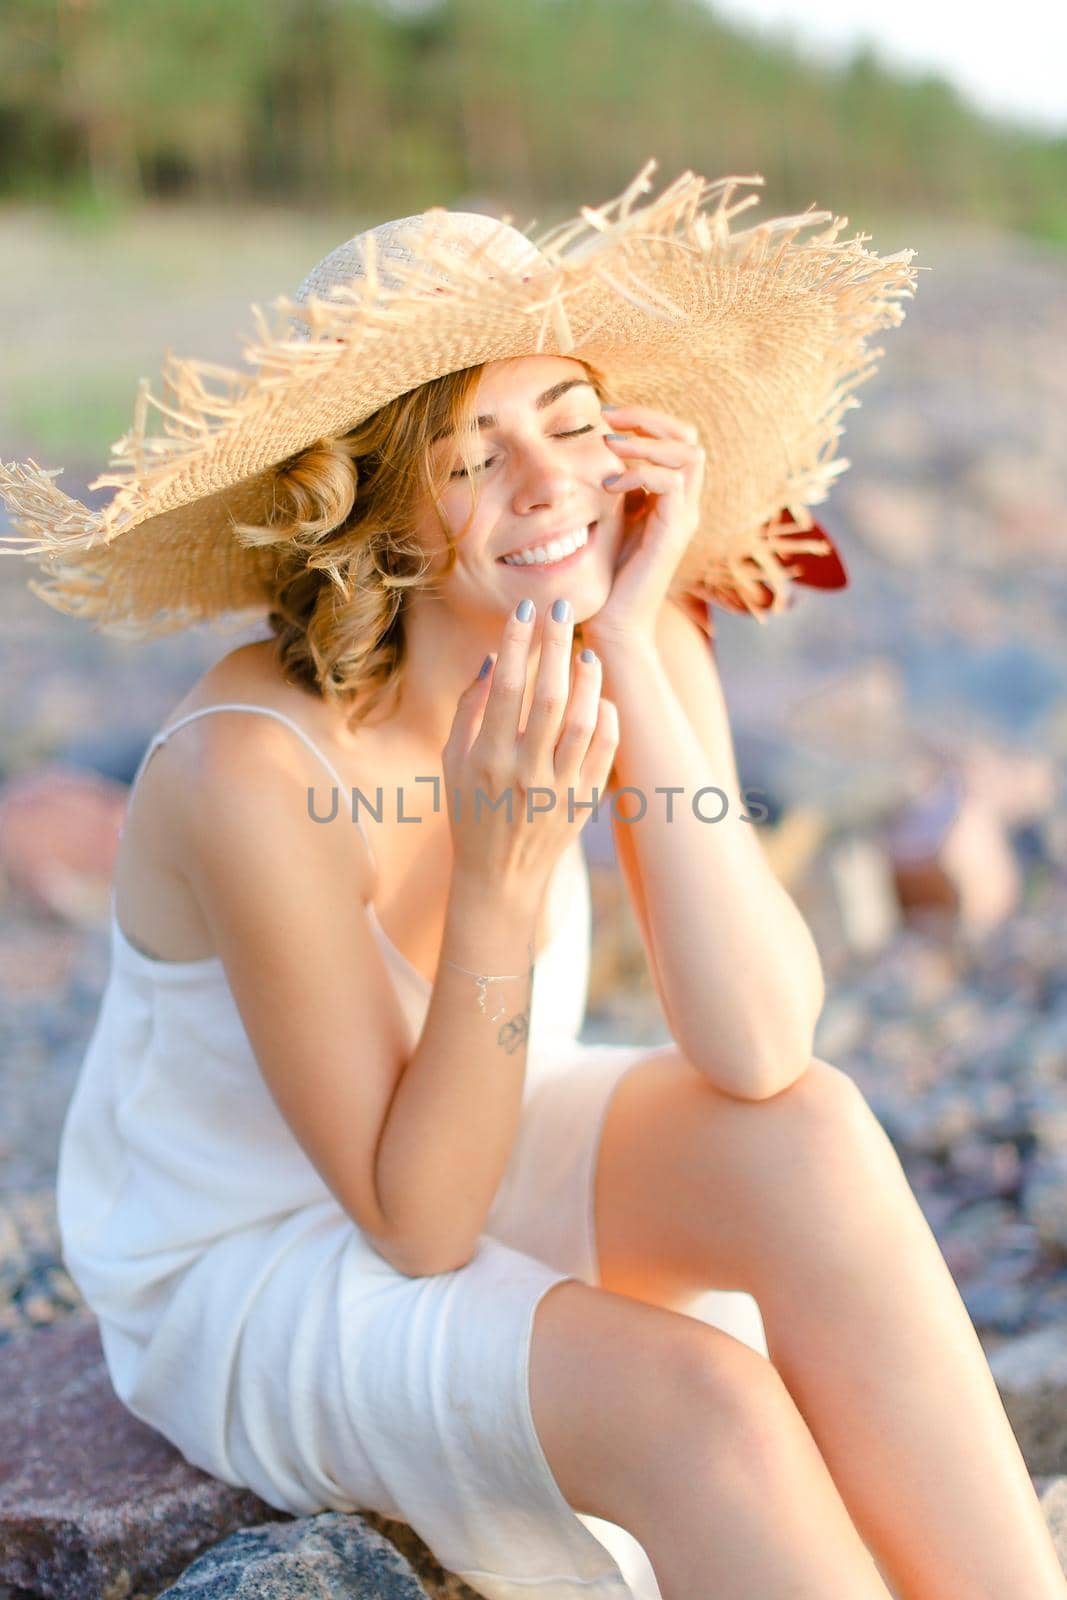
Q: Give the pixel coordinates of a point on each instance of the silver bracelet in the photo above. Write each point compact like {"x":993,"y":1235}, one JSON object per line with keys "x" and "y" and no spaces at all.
{"x":484,"y":980}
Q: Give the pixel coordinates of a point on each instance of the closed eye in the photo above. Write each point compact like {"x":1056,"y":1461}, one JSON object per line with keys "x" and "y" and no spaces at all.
{"x":461,"y":472}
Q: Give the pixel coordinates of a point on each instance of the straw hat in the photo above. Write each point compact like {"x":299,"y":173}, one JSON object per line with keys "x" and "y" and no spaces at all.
{"x":755,"y":336}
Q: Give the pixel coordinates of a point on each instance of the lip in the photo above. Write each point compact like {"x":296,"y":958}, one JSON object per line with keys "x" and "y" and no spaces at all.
{"x":552,"y":566}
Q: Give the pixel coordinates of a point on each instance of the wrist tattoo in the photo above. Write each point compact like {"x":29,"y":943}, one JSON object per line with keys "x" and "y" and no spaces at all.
{"x":515,"y":1032}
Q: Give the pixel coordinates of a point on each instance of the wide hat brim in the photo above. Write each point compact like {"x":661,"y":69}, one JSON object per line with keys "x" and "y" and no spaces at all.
{"x":756,"y":336}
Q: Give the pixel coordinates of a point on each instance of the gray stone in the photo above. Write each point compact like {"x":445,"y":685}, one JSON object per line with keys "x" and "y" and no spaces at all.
{"x":1052,"y":1492}
{"x":980,"y":1167}
{"x":1038,"y":1360}
{"x":996,"y":1305}
{"x":336,"y":1555}
{"x":1044,"y":1200}
{"x":936,"y":1122}
{"x":1047,"y":1048}
{"x":1048,"y":1119}
{"x":1031,"y":1375}
{"x":35,"y":1286}
{"x":972,"y":1235}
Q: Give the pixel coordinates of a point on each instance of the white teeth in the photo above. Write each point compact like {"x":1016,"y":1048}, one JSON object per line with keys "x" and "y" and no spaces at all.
{"x":540,"y":555}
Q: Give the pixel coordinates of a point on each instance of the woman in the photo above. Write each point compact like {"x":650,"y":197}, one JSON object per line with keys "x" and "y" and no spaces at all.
{"x":364,"y":1224}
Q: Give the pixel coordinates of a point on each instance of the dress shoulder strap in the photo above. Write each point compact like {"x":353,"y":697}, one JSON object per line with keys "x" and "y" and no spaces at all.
{"x":263,"y":711}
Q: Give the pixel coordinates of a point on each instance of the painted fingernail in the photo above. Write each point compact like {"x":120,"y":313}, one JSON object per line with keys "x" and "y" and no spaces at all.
{"x":615,"y":436}
{"x":486,"y":664}
{"x":561,"y":610}
{"x":524,"y":610}
{"x":607,"y":482}
{"x":587,"y":655}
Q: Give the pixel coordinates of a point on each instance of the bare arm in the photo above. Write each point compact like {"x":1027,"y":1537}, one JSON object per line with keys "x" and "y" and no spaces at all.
{"x":735,"y":965}
{"x":456,"y":1110}
{"x":412,"y":1141}
{"x":454,"y":1116}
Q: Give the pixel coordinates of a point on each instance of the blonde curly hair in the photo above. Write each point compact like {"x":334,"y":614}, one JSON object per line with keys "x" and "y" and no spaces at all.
{"x":342,"y":520}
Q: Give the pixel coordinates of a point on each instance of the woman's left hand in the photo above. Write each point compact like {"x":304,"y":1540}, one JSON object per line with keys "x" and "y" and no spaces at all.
{"x":666,"y":461}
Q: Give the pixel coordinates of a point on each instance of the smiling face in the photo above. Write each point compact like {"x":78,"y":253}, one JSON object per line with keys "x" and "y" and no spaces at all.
{"x":540,"y":458}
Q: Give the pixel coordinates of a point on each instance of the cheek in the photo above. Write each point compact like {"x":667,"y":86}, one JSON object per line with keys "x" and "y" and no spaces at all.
{"x":473,"y":547}
{"x":461,"y":511}
{"x":453,"y":508}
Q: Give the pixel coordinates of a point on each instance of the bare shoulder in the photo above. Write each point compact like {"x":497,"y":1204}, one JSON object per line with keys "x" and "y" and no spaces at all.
{"x":214,"y":770}
{"x":224,"y":742}
{"x":258,"y":766}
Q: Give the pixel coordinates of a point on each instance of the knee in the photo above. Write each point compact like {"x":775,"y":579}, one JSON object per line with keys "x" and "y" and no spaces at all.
{"x":828,"y":1109}
{"x":704,"y":1412}
{"x":726,"y":1393}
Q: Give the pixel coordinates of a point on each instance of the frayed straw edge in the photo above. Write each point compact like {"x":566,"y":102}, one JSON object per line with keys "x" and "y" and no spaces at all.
{"x":47,"y":518}
{"x":188,"y":415}
{"x":280,"y":361}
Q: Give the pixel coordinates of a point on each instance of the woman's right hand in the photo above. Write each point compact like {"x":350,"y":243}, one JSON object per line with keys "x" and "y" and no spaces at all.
{"x":569,"y":743}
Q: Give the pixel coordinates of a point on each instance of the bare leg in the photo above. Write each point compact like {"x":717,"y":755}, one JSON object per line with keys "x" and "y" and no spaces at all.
{"x":801,"y":1200}
{"x":874,"y":1343}
{"x":690,"y":1440}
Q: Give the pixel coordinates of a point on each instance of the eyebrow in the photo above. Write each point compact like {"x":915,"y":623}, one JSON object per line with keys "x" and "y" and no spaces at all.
{"x":542,"y":402}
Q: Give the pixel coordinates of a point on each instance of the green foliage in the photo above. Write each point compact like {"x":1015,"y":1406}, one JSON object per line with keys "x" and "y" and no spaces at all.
{"x":391,"y":105}
{"x":57,"y":415}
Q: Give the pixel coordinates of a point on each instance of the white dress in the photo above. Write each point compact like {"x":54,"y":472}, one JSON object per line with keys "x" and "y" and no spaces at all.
{"x":245,"y":1317}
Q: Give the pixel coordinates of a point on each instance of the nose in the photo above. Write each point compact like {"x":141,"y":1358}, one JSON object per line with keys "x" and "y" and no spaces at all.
{"x":542,"y":475}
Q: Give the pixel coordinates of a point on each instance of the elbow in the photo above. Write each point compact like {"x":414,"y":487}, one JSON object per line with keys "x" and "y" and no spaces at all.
{"x":436,"y":1259}
{"x":412,"y":1247}
{"x":745,"y":1061}
{"x":778,"y":1077}
{"x":790,"y":1057}
{"x":758,"y":1074}
{"x":435,"y":1267}
{"x":415,"y":1260}
{"x":788,"y":1062}
{"x":754,"y":1083}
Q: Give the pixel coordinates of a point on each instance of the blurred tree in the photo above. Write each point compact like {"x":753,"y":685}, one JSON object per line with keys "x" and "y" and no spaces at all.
{"x":370,"y":104}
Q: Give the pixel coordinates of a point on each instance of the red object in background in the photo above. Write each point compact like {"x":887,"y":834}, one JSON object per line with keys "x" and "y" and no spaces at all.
{"x":817,"y":571}
{"x":826,"y":571}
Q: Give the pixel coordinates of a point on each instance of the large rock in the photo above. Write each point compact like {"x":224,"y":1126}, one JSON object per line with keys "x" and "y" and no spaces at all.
{"x":335,"y":1556}
{"x":1052,"y":1492}
{"x":94,"y":1505}
{"x":1031,"y":1375}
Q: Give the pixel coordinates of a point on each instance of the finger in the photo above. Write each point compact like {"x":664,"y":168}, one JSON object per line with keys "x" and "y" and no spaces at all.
{"x":688,"y":459}
{"x":580,"y":722}
{"x":667,"y":452}
{"x":647,"y":420}
{"x":648,"y":475}
{"x":550,"y":691}
{"x":469,"y":710}
{"x":500,"y":722}
{"x":596,"y":768}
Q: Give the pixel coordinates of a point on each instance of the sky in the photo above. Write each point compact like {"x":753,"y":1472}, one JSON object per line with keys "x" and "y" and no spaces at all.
{"x":1007,"y":60}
